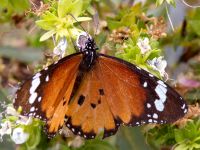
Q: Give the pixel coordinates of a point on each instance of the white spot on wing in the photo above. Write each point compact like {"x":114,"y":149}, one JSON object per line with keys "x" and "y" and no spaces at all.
{"x":159,"y":105}
{"x":34,"y":84}
{"x":183,"y":107}
{"x":145,"y":84}
{"x":32,"y":109}
{"x":162,"y":83}
{"x":32,"y":98}
{"x":155,"y":116}
{"x":47,"y":78}
{"x":73,"y":129}
{"x":185,"y":111}
{"x":150,"y":120}
{"x":161,"y":92}
{"x":138,"y":68}
{"x":37,"y":75}
{"x":150,"y":75}
{"x":148,"y":105}
{"x":39,"y":99}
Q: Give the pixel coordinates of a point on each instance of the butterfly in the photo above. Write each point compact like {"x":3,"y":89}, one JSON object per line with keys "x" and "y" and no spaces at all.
{"x":90,"y":93}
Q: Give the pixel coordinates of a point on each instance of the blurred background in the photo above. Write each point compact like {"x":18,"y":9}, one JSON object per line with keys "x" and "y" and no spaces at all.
{"x":22,"y":53}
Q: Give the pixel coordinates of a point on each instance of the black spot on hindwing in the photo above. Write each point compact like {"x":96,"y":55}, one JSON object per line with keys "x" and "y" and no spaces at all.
{"x":93,"y":105}
{"x":81,"y":100}
{"x":101,"y":91}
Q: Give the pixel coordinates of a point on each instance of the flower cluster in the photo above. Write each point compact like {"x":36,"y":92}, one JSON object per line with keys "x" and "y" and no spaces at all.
{"x":20,"y":127}
{"x":8,"y":128}
{"x":144,"y":52}
{"x":61,"y":22}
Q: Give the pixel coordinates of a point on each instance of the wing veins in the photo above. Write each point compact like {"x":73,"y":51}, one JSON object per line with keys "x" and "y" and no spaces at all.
{"x":118,"y":76}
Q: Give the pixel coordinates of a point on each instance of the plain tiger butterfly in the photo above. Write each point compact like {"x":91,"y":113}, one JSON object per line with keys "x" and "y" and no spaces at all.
{"x":91,"y":92}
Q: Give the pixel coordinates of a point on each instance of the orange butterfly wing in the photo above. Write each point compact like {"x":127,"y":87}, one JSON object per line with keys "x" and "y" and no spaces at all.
{"x":89,"y":112}
{"x":149,"y":98}
{"x":115,"y":92}
{"x":111,"y":92}
{"x":46,"y":94}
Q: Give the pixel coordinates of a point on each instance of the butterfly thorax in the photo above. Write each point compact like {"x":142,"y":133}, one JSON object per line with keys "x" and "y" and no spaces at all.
{"x":88,"y":49}
{"x":89,"y":54}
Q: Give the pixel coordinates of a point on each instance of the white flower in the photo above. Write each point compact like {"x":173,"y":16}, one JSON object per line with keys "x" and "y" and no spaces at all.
{"x":24,"y":120}
{"x":59,"y":50}
{"x":158,"y":64}
{"x":5,"y":128}
{"x":19,"y":136}
{"x":11,"y":111}
{"x":143,"y":44}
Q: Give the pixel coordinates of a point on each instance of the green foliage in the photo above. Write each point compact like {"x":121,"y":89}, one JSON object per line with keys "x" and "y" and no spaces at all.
{"x":193,"y":20}
{"x":34,"y":131}
{"x":10,"y":7}
{"x":132,"y":52}
{"x":161,"y":136}
{"x":61,"y":22}
{"x":123,"y":17}
{"x":188,"y":138}
{"x":193,"y":95}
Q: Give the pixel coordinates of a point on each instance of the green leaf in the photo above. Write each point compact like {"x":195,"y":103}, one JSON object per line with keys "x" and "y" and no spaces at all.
{"x":189,"y":136}
{"x":34,"y":131}
{"x":80,"y":19}
{"x":46,"y":25}
{"x":19,"y":5}
{"x":195,"y":25}
{"x":63,"y":7}
{"x":161,"y":136}
{"x":76,"y":8}
{"x":47,"y":35}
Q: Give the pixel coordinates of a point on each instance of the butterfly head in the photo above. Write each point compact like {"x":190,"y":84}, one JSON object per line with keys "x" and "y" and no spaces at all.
{"x":86,"y":43}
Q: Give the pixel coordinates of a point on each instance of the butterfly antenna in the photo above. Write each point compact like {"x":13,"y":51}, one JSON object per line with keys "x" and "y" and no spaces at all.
{"x":96,"y":22}
{"x":73,"y":42}
{"x":77,"y":21}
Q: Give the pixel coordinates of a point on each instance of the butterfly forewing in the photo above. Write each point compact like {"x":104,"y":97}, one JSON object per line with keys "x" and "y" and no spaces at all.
{"x":150,"y":100}
{"x":46,"y":94}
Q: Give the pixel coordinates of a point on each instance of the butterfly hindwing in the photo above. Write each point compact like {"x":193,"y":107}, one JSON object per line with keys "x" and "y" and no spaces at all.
{"x":46,"y":94}
{"x":88,"y":112}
